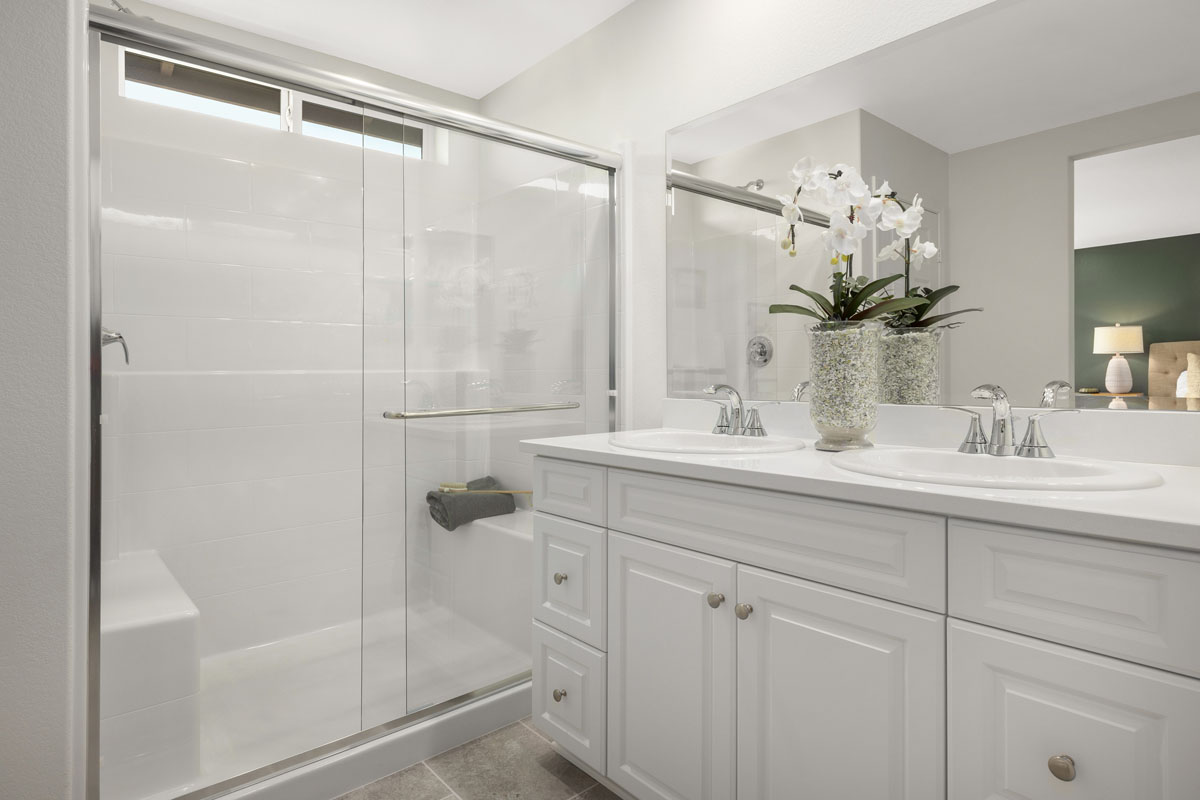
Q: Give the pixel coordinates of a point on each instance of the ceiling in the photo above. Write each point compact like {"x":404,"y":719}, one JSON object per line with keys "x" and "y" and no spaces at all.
{"x":1010,"y":68}
{"x":466,"y":46}
{"x":1142,"y":193}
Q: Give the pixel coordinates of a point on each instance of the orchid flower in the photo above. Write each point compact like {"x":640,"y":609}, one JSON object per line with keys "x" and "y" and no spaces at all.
{"x":843,"y":235}
{"x":891,"y":251}
{"x":790,"y":211}
{"x":924,"y":249}
{"x":846,"y":187}
{"x":809,"y":176}
{"x":903,"y":221}
{"x":871,"y":208}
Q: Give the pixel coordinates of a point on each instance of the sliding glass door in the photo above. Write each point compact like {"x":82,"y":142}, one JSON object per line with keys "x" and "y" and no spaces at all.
{"x":328,"y":314}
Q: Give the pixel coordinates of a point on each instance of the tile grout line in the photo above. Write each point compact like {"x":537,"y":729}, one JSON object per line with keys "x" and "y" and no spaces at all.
{"x":441,"y":780}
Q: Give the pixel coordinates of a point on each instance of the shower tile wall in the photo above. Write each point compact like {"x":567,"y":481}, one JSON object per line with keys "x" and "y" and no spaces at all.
{"x":724,"y":269}
{"x":232,"y":263}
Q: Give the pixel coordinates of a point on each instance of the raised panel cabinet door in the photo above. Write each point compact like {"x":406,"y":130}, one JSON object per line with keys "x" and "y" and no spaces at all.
{"x":839,"y":695}
{"x":1031,"y":720}
{"x":671,"y":671}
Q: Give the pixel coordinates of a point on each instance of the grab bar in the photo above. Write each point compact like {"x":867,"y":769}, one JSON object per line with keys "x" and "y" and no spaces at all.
{"x":468,"y":412}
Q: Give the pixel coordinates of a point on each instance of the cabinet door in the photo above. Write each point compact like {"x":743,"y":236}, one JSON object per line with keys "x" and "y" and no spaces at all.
{"x":839,"y":695}
{"x":671,"y":671}
{"x":1129,"y":732}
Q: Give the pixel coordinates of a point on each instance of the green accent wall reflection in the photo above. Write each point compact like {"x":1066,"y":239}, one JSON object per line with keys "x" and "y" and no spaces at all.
{"x":1154,"y":283}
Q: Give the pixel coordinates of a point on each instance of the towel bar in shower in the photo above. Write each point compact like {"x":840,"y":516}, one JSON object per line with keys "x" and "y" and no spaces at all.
{"x":468,"y":412}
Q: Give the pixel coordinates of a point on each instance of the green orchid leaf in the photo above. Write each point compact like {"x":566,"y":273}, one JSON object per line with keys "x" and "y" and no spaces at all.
{"x":837,"y":291}
{"x":888,"y":306}
{"x":817,"y":298}
{"x":782,"y":308}
{"x":865,"y":292}
{"x":936,"y":296}
{"x":925,"y":322}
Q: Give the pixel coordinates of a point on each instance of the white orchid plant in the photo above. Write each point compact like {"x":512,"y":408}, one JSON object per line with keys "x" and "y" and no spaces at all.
{"x":858,"y":209}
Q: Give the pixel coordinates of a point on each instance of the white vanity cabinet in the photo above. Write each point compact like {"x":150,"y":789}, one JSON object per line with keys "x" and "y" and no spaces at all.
{"x":839,"y":695}
{"x":671,"y":679}
{"x":1031,"y":720}
{"x":728,"y":643}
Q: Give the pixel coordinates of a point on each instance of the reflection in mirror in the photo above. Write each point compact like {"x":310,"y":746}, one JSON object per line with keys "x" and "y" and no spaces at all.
{"x":993,"y":149}
{"x":1137,"y":278}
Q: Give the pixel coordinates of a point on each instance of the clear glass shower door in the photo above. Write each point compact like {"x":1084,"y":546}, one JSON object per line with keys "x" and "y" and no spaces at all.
{"x":231,"y":264}
{"x":492,"y":295}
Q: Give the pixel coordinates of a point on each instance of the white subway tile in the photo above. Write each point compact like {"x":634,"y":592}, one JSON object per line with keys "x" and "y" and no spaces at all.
{"x":155,"y":343}
{"x":150,"y":461}
{"x":143,"y":228}
{"x":170,"y":288}
{"x":307,"y":296}
{"x":245,"y":619}
{"x":244,"y":562}
{"x":300,"y":195}
{"x":229,"y":237}
{"x":145,"y":171}
{"x":238,"y":454}
{"x":335,"y":248}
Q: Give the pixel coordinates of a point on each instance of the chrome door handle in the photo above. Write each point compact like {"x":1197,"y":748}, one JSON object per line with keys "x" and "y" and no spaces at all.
{"x":715,"y":599}
{"x":743,"y":610}
{"x":1062,"y":767}
{"x":559,"y":577}
{"x":559,"y":694}
{"x":108,"y":337}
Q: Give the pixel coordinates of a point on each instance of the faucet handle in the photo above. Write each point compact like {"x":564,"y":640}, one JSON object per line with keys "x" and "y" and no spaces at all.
{"x":1034,"y":444}
{"x":754,"y":425}
{"x":975,"y":441}
{"x":1050,"y":393}
{"x":798,"y":392}
{"x":722,"y":425}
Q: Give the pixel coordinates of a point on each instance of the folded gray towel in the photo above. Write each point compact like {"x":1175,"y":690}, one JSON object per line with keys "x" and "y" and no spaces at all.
{"x":451,"y":509}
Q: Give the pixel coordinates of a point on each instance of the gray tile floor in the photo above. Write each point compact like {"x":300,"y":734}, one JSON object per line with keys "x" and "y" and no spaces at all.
{"x":513,"y":763}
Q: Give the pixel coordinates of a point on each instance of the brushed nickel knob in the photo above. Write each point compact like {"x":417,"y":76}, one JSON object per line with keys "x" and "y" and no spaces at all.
{"x":743,"y":610}
{"x":1062,"y":767}
{"x":559,"y":694}
{"x":715,"y":599}
{"x":559,"y":577}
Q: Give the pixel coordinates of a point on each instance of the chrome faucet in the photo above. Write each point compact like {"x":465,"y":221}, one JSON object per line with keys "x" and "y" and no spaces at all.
{"x":1034,"y":445}
{"x":733,"y":420}
{"x":1050,"y":393}
{"x":1000,"y":443}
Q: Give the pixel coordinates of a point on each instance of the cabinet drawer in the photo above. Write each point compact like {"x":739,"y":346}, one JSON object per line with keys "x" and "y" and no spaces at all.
{"x":1132,"y":733}
{"x":893,"y":554}
{"x":576,"y":719}
{"x":1126,"y":601}
{"x":569,"y":489}
{"x":569,"y":565}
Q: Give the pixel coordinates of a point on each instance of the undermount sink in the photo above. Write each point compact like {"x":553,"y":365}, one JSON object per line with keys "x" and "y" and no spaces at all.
{"x":699,"y":443}
{"x":996,"y":472}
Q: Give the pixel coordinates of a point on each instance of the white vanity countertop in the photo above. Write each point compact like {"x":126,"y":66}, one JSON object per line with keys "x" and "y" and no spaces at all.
{"x":1167,"y":515}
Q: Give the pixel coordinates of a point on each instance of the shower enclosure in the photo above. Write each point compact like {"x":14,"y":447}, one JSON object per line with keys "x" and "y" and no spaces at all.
{"x":318,"y":312}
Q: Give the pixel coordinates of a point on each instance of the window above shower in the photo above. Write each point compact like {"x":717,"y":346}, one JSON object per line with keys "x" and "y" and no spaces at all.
{"x":188,"y":87}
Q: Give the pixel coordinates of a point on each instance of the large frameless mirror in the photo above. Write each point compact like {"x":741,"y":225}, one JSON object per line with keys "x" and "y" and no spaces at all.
{"x":1051,"y":191}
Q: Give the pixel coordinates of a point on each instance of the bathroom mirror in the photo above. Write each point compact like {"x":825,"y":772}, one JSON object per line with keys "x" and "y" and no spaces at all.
{"x":1054,"y":148}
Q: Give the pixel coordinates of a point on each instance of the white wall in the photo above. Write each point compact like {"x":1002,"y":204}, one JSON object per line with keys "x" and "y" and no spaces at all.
{"x":1013,"y":244}
{"x":661,"y":63}
{"x":43,"y":399}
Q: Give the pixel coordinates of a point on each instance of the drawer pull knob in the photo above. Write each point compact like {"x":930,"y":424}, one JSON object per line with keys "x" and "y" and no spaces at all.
{"x":559,"y":694}
{"x":1062,"y":767}
{"x":743,"y":610}
{"x":715,"y":599}
{"x":559,"y":577}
